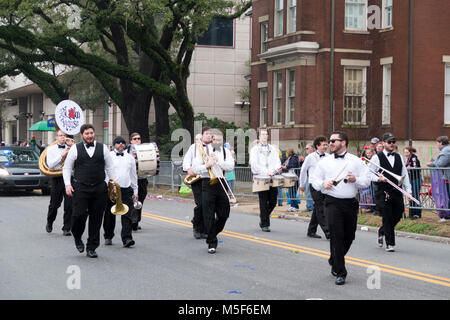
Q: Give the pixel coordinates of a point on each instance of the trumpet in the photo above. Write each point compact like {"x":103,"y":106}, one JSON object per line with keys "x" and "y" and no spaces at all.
{"x":399,"y":179}
{"x":406,"y":194}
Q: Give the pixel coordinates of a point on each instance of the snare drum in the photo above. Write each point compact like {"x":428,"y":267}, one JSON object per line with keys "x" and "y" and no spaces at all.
{"x":289,"y":180}
{"x":261,"y":183}
{"x":277,"y":180}
{"x":147,"y":158}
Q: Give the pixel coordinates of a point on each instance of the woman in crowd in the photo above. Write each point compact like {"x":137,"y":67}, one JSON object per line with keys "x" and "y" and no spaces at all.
{"x":412,"y":162}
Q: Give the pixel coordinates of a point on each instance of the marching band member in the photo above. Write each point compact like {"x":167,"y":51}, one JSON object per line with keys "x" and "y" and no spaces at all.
{"x":56,"y":155}
{"x":265,"y":161}
{"x":215,"y":202}
{"x":318,"y":217}
{"x":92,"y":165}
{"x":390,"y":200}
{"x":339,"y":177}
{"x":198,"y":224}
{"x":124,"y":173}
{"x":135,"y":138}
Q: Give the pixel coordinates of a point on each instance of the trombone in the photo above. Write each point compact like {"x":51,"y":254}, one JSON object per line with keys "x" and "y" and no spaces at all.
{"x":400,"y":180}
{"x":217,"y":173}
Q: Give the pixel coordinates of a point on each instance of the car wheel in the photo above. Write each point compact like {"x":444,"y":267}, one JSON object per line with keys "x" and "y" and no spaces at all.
{"x":45,"y":191}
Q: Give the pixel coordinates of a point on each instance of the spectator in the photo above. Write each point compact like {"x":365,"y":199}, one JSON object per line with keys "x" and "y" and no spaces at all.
{"x":366,"y":194}
{"x":290,"y":165}
{"x":373,"y":144}
{"x":280,"y":189}
{"x":370,"y":152}
{"x":443,"y":161}
{"x":309,"y":200}
{"x":230,"y":176}
{"x":379,"y":147}
{"x":412,"y":162}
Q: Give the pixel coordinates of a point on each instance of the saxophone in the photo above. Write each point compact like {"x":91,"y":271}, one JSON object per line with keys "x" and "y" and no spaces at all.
{"x":115,"y":195}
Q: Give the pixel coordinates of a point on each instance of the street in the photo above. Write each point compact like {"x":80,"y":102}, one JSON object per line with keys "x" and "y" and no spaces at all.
{"x":167,"y":263}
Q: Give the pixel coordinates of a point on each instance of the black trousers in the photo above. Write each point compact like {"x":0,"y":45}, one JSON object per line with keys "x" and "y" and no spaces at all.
{"x":88,"y":201}
{"x":197,"y":220}
{"x":109,"y":220}
{"x":142,"y":194}
{"x":318,"y":215}
{"x":57,"y":194}
{"x":342,"y":215}
{"x":391,"y":209}
{"x":267,"y":202}
{"x":216,"y":210}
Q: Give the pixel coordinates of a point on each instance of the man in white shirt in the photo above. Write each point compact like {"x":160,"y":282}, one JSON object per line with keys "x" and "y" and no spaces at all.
{"x":389,"y":200}
{"x":215,"y":202}
{"x":198,"y":225}
{"x":124,"y":173}
{"x":92,"y":166}
{"x":339,"y":177}
{"x":56,"y":154}
{"x":318,"y":217}
{"x":265,"y":161}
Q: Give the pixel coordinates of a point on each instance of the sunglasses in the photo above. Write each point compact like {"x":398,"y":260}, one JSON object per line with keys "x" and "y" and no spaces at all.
{"x":136,"y":138}
{"x":334,"y":140}
{"x":391,"y":142}
{"x":121,"y":142}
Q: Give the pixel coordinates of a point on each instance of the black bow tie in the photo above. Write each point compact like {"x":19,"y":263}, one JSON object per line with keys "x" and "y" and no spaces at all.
{"x":322,"y":155}
{"x":337,"y":156}
{"x":88,"y":145}
{"x":62,"y":146}
{"x":119,"y":154}
{"x":391,"y":154}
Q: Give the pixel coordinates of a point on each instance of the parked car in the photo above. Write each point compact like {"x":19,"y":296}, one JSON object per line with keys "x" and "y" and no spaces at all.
{"x":19,"y":169}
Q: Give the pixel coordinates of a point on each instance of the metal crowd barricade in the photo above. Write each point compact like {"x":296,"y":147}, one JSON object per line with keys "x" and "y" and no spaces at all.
{"x":430,"y":186}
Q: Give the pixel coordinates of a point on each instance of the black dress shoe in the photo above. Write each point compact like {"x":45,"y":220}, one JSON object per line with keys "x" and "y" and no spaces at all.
{"x":80,"y":246}
{"x":265,"y":229}
{"x":334,"y":273}
{"x":315,"y":236}
{"x":340,"y":281}
{"x":66,"y":233}
{"x":197,"y":235}
{"x":204,"y":236}
{"x":49,"y":227}
{"x":128,"y":243}
{"x":91,"y":254}
{"x":108,"y":242}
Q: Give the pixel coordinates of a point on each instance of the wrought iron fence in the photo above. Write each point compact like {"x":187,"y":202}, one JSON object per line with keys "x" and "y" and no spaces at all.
{"x":429,"y":186}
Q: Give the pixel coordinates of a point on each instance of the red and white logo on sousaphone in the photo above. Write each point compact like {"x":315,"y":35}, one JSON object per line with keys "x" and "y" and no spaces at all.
{"x":69,"y":117}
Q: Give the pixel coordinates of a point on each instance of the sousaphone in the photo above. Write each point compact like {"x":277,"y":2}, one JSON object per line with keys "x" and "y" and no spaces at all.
{"x":69,"y":118}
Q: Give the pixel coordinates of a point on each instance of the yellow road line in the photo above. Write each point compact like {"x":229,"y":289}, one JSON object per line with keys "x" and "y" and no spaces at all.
{"x":319,"y":253}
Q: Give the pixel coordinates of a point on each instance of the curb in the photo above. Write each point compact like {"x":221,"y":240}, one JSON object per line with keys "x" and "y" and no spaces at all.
{"x":360,"y":227}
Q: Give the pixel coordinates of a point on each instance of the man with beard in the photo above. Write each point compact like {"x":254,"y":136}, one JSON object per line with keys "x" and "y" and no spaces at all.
{"x":339,"y":177}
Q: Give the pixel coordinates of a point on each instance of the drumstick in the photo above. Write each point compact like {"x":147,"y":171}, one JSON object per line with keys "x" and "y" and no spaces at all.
{"x":335,"y":181}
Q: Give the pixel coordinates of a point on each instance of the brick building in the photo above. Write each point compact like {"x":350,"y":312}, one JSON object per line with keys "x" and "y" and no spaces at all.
{"x":362,"y":66}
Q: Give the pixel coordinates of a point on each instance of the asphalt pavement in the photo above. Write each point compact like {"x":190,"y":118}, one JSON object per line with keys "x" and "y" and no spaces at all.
{"x":167,"y":263}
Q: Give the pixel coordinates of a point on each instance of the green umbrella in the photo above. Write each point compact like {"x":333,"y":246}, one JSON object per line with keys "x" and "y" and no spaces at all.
{"x":41,"y":126}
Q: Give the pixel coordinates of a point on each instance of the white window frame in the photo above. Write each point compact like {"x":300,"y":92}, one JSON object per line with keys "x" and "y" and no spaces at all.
{"x":290,"y":97}
{"x":349,"y":26}
{"x":387,"y":97}
{"x":263,"y":114}
{"x":264,"y":26}
{"x":277,"y":97}
{"x":363,"y":95}
{"x":291,"y":16}
{"x":447,"y":94}
{"x":388,"y":9}
{"x":278,"y":17}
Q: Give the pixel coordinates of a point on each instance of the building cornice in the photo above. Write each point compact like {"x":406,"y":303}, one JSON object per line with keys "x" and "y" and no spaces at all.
{"x":290,"y":49}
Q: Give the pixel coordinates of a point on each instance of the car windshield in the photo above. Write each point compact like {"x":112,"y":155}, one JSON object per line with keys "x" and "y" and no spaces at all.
{"x":18,"y":156}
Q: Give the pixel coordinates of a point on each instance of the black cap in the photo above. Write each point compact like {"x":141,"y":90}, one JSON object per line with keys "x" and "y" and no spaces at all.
{"x":388,"y":136}
{"x":118,"y":139}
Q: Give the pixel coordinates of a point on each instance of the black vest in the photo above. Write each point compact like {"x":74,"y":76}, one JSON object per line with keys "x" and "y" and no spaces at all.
{"x":89,"y":171}
{"x":397,"y":169}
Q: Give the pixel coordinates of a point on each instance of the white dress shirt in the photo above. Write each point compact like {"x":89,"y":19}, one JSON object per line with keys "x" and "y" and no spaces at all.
{"x":264,"y":159}
{"x":124,"y":170}
{"x":189,"y":157}
{"x":199,"y":166}
{"x":331,"y":168}
{"x":406,"y":183}
{"x":54,"y":156}
{"x":308,"y":165}
{"x":73,"y":154}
